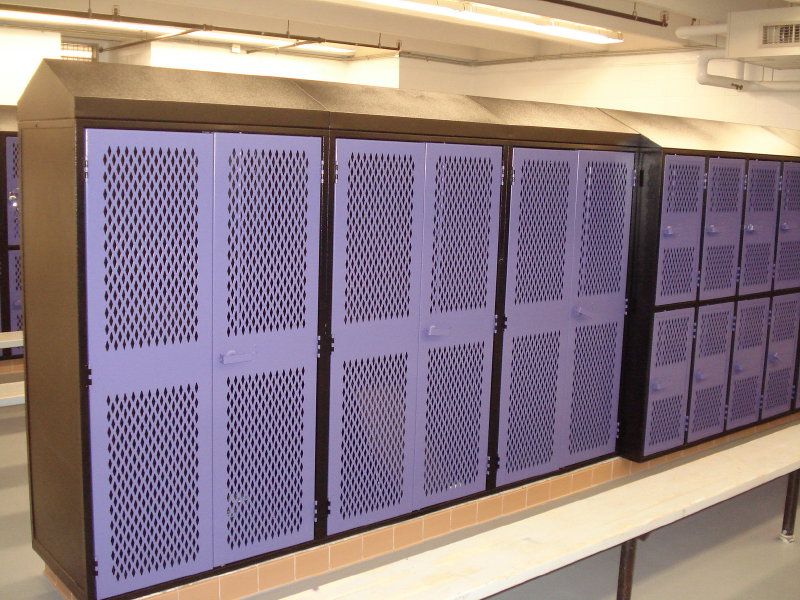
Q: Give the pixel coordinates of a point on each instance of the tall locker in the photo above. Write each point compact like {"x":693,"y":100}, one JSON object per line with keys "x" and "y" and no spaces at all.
{"x":723,"y":224}
{"x":787,"y":260}
{"x":15,"y":293}
{"x":12,"y":190}
{"x":377,"y":259}
{"x":149,"y":200}
{"x":747,"y":366}
{"x":670,"y":364}
{"x":599,"y":285}
{"x":761,"y":213}
{"x":536,"y":371}
{"x":266,"y":260}
{"x":681,"y":221}
{"x":710,"y":374}
{"x":457,"y":320}
{"x":781,"y":354}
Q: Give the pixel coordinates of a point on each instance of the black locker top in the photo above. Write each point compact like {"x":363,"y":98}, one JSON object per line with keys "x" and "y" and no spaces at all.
{"x":128,"y":93}
{"x":685,"y":135}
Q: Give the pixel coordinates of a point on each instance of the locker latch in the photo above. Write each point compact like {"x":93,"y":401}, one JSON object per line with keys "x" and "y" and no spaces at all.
{"x":492,"y":464}
{"x":324,"y":345}
{"x":500,"y":323}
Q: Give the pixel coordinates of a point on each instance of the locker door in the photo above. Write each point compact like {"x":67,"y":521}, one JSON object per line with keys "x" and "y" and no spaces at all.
{"x":536,"y":374}
{"x":787,"y":262}
{"x":681,"y":220}
{"x":148,"y":292}
{"x":13,"y":196}
{"x":670,"y":362}
{"x":377,"y":248}
{"x":723,"y":225}
{"x":602,"y":225}
{"x":761,"y":214}
{"x":711,"y":360}
{"x":781,"y":354}
{"x":459,"y":267}
{"x":747,"y":370}
{"x":266,"y":261}
{"x":17,"y":320}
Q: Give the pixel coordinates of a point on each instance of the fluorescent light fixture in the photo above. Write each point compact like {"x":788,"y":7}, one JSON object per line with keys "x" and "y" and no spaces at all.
{"x":18,"y":16}
{"x":77,"y":53}
{"x":484,"y":15}
{"x":324,"y":48}
{"x":244,"y":39}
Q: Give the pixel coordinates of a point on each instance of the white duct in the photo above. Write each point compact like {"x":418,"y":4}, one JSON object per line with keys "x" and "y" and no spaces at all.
{"x":737,"y":83}
{"x":696,"y":31}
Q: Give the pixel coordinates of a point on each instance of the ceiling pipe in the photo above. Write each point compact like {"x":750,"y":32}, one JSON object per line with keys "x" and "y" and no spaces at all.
{"x":694,"y":31}
{"x":737,"y":83}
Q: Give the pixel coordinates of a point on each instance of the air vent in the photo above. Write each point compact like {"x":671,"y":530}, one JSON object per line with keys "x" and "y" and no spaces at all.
{"x":778,"y":35}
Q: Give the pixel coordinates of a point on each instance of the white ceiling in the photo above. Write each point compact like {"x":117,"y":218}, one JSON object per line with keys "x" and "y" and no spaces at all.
{"x":343,"y":20}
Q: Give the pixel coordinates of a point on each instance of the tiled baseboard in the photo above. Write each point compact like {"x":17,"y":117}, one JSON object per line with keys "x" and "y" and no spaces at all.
{"x":400,"y":536}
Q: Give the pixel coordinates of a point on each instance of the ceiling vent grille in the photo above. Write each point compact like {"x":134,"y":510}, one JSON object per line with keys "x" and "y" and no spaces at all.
{"x":778,"y":35}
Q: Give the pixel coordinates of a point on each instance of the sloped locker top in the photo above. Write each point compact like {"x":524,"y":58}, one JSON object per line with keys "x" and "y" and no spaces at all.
{"x":723,"y":225}
{"x":681,"y":219}
{"x":787,"y":261}
{"x":760,"y":220}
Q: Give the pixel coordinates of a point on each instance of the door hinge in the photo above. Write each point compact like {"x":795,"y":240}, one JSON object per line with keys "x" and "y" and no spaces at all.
{"x":317,"y":511}
{"x":500,"y":323}
{"x":492,"y":464}
{"x":686,"y":424}
{"x":336,"y":172}
{"x":85,"y":168}
{"x":324,"y":345}
{"x":705,"y":181}
{"x":322,"y":173}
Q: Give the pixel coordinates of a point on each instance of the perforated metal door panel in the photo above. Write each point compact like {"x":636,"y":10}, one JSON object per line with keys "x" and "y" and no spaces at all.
{"x":599,"y":279}
{"x":266,"y":260}
{"x":537,"y":362}
{"x":670,"y":363}
{"x":760,"y":219}
{"x":15,"y":299}
{"x":712,"y":355}
{"x":681,"y":222}
{"x":377,"y":256}
{"x":723,"y":227}
{"x":747,"y":366}
{"x":13,"y":197}
{"x":787,"y":259}
{"x":148,"y":294}
{"x":459,"y":277}
{"x":781,"y":354}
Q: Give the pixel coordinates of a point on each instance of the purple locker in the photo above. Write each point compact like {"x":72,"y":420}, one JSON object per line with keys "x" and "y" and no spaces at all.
{"x":781,"y":354}
{"x":787,"y":262}
{"x":13,"y":196}
{"x":599,"y":280}
{"x":457,"y":307}
{"x":266,"y":260}
{"x":712,"y":357}
{"x":747,"y":370}
{"x":149,"y":202}
{"x":377,"y":257}
{"x":537,"y":371}
{"x":681,"y":222}
{"x":15,"y":295}
{"x":670,"y":363}
{"x":760,"y":219}
{"x":723,"y":224}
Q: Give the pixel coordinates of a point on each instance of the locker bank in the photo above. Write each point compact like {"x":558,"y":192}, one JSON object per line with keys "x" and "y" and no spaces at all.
{"x":291,"y":311}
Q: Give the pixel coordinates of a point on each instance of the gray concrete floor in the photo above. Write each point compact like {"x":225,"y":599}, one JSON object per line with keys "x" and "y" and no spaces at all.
{"x":729,"y":552}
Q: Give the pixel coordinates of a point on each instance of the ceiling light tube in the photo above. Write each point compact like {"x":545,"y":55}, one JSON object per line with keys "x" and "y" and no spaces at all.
{"x":324,"y":48}
{"x":245,"y":39}
{"x":71,"y":21}
{"x":474,"y":13}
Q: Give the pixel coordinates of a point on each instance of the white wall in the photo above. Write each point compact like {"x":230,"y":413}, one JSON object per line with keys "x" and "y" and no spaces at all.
{"x":21,"y":51}
{"x":657,"y":83}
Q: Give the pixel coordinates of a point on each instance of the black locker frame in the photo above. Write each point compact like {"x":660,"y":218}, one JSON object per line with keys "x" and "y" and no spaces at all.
{"x":644,"y":266}
{"x":61,"y":102}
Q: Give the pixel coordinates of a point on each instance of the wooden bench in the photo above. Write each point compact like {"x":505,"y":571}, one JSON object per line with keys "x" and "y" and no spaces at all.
{"x":12,"y":393}
{"x":493,"y":561}
{"x":11,"y":339}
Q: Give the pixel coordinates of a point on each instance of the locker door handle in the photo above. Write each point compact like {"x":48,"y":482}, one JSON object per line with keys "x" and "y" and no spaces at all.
{"x":438,"y":331}
{"x":786,"y":227}
{"x":578,"y":312}
{"x":669,"y":231}
{"x":712,"y":230}
{"x":749,"y":228}
{"x":12,"y":198}
{"x":699,"y":376}
{"x":231,"y":357}
{"x":656,"y":386}
{"x":774,"y":358}
{"x":737,"y":368}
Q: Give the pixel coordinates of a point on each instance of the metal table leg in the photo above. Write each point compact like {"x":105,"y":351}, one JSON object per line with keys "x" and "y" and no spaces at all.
{"x":790,"y":508}
{"x":627,"y":560}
